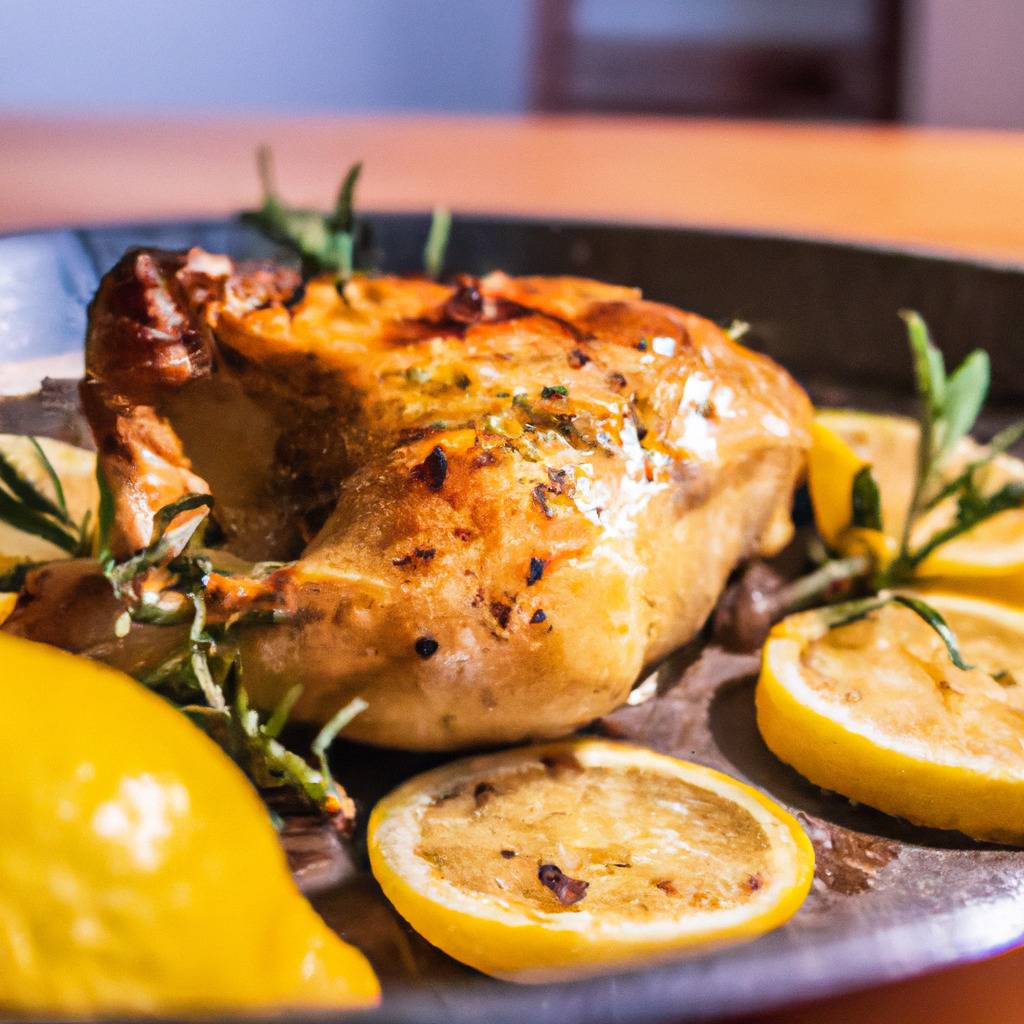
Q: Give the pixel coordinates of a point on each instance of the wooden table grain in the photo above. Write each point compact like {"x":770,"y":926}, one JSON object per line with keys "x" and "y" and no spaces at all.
{"x":956,"y":191}
{"x":961,"y":191}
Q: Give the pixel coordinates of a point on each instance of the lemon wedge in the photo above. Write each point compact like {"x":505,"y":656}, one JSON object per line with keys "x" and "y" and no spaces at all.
{"x":139,"y":872}
{"x":877,"y":711}
{"x":563,"y":859}
{"x":988,"y":559}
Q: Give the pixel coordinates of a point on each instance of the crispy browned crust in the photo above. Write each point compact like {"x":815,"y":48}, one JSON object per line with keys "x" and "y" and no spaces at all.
{"x":503,"y":496}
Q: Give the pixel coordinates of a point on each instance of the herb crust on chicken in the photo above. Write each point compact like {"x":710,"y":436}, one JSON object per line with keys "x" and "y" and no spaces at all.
{"x":496,"y":500}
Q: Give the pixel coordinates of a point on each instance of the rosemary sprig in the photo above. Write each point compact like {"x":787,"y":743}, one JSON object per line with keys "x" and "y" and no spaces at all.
{"x":327,"y":735}
{"x":948,"y":407}
{"x":331,"y":243}
{"x":51,"y":473}
{"x":972,"y":508}
{"x":966,"y":478}
{"x":437,"y":242}
{"x":167,"y":541}
{"x":27,"y":509}
{"x":204,"y":679}
{"x":205,"y":684}
{"x":271,"y":765}
{"x":326,"y":243}
{"x":834,"y":616}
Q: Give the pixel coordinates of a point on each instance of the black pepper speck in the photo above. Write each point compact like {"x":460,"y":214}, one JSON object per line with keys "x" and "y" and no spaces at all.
{"x":536,"y":571}
{"x":434,"y":468}
{"x":426,"y":646}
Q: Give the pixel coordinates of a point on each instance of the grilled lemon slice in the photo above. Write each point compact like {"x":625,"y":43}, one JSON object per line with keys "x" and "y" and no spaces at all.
{"x":877,"y":711}
{"x":562,"y":859}
{"x":987,"y":559}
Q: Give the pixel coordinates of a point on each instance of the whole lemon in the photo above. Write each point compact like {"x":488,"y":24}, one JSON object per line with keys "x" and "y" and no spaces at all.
{"x":139,"y":872}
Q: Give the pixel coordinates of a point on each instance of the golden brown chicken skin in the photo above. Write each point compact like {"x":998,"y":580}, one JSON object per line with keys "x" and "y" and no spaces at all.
{"x":498,"y":499}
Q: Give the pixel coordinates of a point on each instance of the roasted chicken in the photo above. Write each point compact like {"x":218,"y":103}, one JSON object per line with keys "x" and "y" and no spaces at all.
{"x":495,"y":500}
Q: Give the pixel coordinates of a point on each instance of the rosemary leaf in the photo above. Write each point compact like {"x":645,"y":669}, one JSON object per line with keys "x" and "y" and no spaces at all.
{"x":105,"y":522}
{"x":280,"y":715}
{"x":836,"y":615}
{"x":51,"y":473}
{"x":972,"y":509}
{"x":166,"y":542}
{"x":25,"y":519}
{"x":930,"y":377}
{"x":866,"y":501}
{"x":938,"y":623}
{"x":929,"y":366}
{"x":26,"y":492}
{"x":965,"y":394}
{"x":437,"y":242}
{"x":326,"y":736}
{"x":324,"y":243}
{"x":343,"y":220}
{"x":1002,"y":442}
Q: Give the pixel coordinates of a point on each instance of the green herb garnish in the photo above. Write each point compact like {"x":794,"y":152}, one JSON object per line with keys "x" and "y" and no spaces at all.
{"x":332,"y":243}
{"x":166,"y":543}
{"x":27,"y":509}
{"x":948,"y":407}
{"x":437,"y":242}
{"x":866,"y":501}
{"x":326,"y":243}
{"x":836,"y":615}
{"x":737,"y":329}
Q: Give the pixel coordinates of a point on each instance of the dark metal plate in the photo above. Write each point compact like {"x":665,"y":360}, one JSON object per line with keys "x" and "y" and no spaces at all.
{"x":889,"y":900}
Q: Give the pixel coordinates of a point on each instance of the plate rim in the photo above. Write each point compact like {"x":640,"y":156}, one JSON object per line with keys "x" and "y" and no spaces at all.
{"x":653,"y":992}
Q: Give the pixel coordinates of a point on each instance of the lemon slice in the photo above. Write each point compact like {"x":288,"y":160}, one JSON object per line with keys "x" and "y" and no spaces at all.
{"x":562,"y":859}
{"x":876,"y":710}
{"x":139,"y":872}
{"x":845,"y":441}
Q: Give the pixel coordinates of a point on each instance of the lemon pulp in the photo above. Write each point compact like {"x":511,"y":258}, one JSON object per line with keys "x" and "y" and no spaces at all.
{"x":634,"y":853}
{"x":563,"y":859}
{"x":877,"y":711}
{"x":988,"y":559}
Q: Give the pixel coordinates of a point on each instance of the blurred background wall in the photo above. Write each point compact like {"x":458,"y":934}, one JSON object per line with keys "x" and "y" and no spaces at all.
{"x":947,"y":62}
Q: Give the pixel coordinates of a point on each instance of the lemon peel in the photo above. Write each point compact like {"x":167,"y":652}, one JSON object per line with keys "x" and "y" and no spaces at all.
{"x":565,"y":859}
{"x":140,"y":870}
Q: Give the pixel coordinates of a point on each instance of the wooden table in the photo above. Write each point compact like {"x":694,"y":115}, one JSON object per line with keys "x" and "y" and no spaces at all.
{"x":959,"y":191}
{"x":953,"y":190}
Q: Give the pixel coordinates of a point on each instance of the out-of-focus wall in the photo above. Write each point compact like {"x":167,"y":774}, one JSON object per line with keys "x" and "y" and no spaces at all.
{"x":263,"y":55}
{"x":964,"y":64}
{"x":962,"y":61}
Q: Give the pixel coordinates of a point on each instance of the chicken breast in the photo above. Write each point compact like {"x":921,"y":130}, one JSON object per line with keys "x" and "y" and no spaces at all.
{"x":497,"y":500}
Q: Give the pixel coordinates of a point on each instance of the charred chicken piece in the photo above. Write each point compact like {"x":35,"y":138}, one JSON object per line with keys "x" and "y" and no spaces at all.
{"x":498,"y":499}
